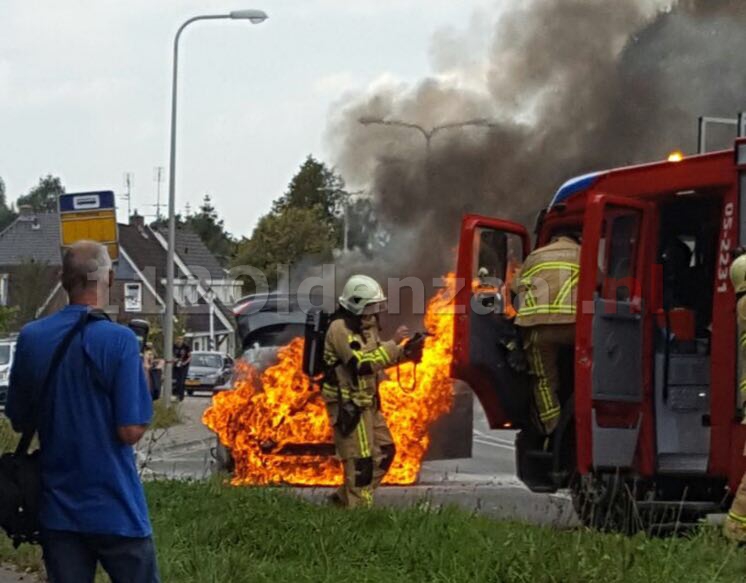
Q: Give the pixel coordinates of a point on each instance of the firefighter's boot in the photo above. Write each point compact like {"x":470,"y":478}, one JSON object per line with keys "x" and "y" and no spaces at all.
{"x":356,"y":451}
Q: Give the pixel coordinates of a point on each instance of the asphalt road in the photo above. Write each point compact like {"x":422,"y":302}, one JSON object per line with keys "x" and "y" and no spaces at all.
{"x":484,"y":483}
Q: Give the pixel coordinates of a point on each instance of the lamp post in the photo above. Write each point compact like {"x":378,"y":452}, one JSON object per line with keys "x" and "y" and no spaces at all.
{"x":255,"y":17}
{"x":428,"y":134}
{"x":346,"y":217}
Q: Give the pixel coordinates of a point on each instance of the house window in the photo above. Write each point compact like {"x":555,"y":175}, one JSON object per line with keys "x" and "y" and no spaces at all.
{"x":132,"y":297}
{"x":3,"y":289}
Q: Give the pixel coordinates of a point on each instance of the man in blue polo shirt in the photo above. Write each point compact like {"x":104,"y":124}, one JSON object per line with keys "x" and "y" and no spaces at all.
{"x":95,"y":409}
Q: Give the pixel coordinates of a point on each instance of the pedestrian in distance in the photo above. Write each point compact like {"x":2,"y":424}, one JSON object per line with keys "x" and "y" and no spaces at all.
{"x":153,"y":370}
{"x":94,"y":409}
{"x":182,"y":358}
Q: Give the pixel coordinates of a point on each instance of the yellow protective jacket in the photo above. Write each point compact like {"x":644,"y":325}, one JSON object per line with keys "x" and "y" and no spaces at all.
{"x":356,"y":360}
{"x":547,"y":285}
{"x":741,"y":319}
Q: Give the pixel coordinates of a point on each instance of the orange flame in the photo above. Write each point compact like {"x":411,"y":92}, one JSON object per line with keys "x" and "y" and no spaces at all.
{"x":276,"y":426}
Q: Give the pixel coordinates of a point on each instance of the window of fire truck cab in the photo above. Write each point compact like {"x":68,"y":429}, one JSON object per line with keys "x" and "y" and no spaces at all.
{"x":497,"y":257}
{"x":618,"y":251}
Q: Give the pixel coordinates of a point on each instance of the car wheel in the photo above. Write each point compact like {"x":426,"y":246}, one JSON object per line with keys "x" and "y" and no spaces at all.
{"x":190,"y":393}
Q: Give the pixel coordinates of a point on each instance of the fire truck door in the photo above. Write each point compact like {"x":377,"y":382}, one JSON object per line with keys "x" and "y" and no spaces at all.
{"x":490,"y":252}
{"x":611,"y":332}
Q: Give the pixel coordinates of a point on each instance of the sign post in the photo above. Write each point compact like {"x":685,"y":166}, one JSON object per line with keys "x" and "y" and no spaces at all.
{"x":89,"y":216}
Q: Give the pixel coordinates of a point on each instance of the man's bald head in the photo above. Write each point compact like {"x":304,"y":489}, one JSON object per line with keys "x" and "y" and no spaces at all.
{"x":85,"y":267}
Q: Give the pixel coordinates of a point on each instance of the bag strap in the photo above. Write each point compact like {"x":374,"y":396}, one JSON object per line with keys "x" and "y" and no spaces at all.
{"x":59,"y":353}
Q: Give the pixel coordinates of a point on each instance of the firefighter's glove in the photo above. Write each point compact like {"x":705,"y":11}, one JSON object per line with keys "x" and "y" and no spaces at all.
{"x":414,"y":347}
{"x":515,"y":355}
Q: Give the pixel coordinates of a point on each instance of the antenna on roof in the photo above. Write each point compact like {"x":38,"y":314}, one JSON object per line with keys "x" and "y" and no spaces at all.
{"x":158,"y":179}
{"x":129,"y":181}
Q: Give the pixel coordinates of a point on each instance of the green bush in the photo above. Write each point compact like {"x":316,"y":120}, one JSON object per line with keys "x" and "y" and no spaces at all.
{"x":165,"y":417}
{"x":8,"y":437}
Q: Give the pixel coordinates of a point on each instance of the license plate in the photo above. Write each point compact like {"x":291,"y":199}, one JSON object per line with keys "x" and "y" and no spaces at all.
{"x":192,"y":382}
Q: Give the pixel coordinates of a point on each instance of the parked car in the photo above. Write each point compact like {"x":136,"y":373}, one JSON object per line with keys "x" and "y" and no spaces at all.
{"x":207,"y":371}
{"x":7,"y":352}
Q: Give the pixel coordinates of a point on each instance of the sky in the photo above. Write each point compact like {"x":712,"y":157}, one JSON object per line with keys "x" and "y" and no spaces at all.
{"x":85,"y":90}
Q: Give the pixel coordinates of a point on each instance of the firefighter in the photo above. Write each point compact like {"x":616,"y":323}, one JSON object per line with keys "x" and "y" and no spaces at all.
{"x":546,"y":292}
{"x":355,"y":358}
{"x":735,"y":522}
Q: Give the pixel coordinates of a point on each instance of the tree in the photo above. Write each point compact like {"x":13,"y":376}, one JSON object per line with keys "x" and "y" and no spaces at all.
{"x":8,"y":319}
{"x":43,"y":197}
{"x":211,"y":230}
{"x":284,"y":237}
{"x":363,"y":230}
{"x":316,"y":186}
{"x":162,"y":223}
{"x":32,"y":286}
{"x":7,"y":213}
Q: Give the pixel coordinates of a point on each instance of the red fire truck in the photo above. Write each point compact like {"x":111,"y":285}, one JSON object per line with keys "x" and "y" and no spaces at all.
{"x":651,"y":429}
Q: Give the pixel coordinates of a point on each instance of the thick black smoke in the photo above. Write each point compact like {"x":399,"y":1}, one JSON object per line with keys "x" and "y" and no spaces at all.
{"x":573,"y":85}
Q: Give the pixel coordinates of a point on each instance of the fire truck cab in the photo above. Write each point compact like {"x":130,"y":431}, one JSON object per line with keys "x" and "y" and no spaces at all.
{"x":650,"y":430}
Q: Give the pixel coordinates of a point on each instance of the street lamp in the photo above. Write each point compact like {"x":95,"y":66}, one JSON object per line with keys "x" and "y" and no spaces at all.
{"x":255,"y":17}
{"x":427,"y":134}
{"x":346,"y":216}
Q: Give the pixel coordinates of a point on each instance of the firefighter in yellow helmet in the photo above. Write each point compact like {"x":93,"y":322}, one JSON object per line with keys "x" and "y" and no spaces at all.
{"x":355,"y":358}
{"x":546,"y":293}
{"x":735,"y":522}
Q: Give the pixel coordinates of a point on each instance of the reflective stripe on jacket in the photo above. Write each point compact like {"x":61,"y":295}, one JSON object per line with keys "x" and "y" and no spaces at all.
{"x":547,"y":284}
{"x":358,"y":359}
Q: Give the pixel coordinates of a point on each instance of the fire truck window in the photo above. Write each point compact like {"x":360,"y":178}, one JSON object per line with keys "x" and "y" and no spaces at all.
{"x":623,"y":235}
{"x":688,"y":252}
{"x":492,"y":254}
{"x":498,"y":257}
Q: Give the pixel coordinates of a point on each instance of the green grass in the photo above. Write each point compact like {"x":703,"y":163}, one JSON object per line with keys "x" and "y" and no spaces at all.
{"x":165,"y":417}
{"x":207,"y":532}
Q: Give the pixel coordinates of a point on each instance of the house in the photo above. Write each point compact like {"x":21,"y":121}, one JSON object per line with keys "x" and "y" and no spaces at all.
{"x":30,"y":261}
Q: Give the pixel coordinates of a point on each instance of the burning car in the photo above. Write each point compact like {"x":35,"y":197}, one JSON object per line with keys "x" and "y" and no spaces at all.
{"x":273,"y":421}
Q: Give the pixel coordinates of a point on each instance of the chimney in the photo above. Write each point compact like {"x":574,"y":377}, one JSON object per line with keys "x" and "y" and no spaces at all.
{"x":137,"y":220}
{"x":26,"y":212}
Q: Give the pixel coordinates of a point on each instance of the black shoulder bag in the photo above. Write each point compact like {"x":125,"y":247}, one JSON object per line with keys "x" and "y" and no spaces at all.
{"x":20,"y":471}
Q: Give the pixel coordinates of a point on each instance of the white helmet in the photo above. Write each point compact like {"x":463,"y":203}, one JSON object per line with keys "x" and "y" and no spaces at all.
{"x":362,"y":295}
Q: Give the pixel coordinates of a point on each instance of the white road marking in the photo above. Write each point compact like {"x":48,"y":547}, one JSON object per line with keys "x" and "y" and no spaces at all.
{"x":494,"y":444}
{"x":494,"y":439}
